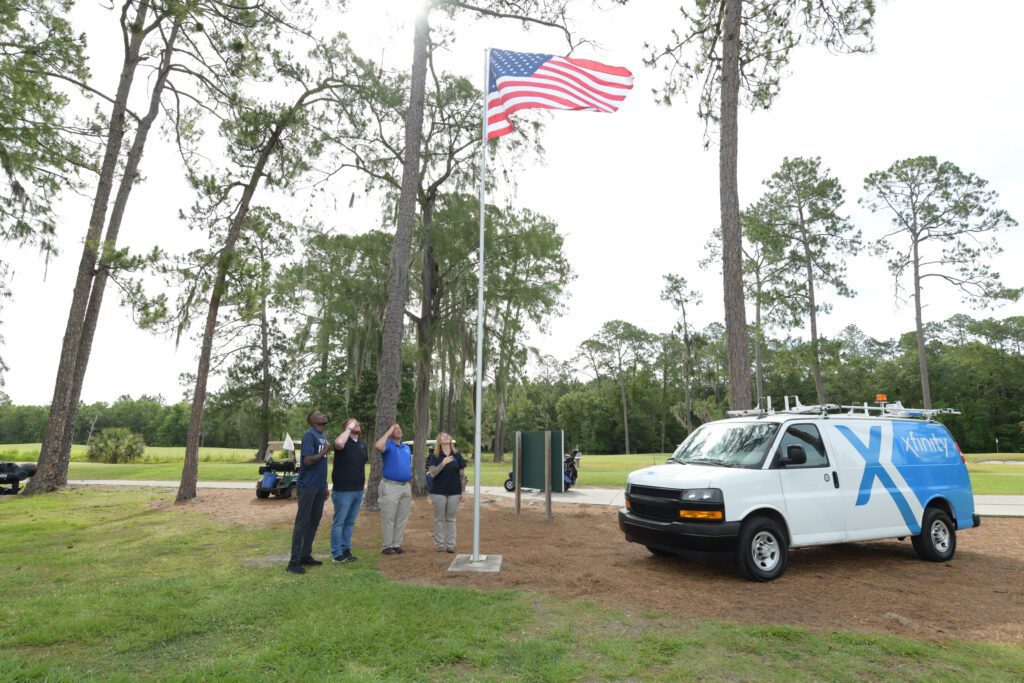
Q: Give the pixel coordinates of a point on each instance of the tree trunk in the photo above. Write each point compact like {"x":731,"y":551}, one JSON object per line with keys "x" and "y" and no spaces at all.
{"x":441,"y":398}
{"x":625,"y":411}
{"x":812,"y":312}
{"x":664,"y":399}
{"x":758,"y":343}
{"x":421,"y":431}
{"x":124,"y":189}
{"x":265,"y":380}
{"x":922,"y":356}
{"x":499,"y":422}
{"x":190,"y":469}
{"x":52,"y":470}
{"x":450,"y":415}
{"x":429,"y":306}
{"x":389,"y":371}
{"x":732,"y":236}
{"x":687,"y":377}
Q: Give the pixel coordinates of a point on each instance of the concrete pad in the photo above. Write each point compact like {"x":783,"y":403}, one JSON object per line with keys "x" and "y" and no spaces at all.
{"x":487,"y":564}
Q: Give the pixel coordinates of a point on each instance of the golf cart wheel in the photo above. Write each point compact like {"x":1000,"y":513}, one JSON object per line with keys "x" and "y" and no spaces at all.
{"x":510,"y":485}
{"x":762,"y":552}
{"x":937,"y":540}
{"x":262,"y":493}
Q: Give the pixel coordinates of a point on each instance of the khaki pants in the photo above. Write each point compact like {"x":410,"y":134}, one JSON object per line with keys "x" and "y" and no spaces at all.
{"x":445,"y":509}
{"x":395,"y":502}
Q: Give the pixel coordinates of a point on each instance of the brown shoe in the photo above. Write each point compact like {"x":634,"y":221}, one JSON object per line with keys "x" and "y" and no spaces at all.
{"x":389,"y":551}
{"x":451,"y":549}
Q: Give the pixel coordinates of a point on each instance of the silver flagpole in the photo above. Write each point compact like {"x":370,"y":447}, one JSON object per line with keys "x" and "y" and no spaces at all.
{"x":480,"y":315}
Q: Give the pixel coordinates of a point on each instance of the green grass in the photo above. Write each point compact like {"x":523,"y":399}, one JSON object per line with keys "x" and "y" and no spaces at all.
{"x":982,"y":457}
{"x":153,"y":454}
{"x":1003,"y":480}
{"x":100,"y":584}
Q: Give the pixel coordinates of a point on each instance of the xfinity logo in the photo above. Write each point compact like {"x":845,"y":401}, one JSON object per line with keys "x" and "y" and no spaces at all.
{"x":919,"y":445}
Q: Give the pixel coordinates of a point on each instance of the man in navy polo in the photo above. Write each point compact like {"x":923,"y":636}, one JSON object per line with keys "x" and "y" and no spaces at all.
{"x":312,"y":488}
{"x":394,"y":492}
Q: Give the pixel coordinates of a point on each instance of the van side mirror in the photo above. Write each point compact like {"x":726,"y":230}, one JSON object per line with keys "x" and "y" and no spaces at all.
{"x":794,"y":455}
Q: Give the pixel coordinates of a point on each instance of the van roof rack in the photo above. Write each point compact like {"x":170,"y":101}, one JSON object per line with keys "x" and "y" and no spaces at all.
{"x":882,"y":409}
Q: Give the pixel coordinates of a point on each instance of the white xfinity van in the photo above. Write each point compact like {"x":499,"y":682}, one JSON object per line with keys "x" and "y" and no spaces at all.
{"x":766,"y":481}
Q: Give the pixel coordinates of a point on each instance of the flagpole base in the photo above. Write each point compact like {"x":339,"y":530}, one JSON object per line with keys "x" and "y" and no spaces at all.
{"x":485,"y":564}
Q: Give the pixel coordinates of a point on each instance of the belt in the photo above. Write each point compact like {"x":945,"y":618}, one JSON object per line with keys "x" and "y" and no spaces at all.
{"x":400,"y":483}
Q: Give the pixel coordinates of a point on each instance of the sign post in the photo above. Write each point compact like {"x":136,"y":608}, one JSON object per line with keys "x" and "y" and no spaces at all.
{"x":547,"y":474}
{"x":517,"y":466}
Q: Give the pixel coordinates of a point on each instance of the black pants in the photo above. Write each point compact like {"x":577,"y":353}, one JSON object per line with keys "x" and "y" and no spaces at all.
{"x":307,"y":519}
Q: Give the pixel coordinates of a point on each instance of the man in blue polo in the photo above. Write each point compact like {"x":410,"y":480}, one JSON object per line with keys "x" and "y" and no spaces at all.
{"x":394,"y":492}
{"x":312,"y":488}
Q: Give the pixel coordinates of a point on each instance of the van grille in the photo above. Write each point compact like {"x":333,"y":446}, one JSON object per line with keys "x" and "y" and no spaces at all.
{"x":663,"y":514}
{"x":651,"y":492}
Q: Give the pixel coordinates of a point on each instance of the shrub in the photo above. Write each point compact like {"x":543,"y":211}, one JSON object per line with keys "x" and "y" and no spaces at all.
{"x":115,"y":445}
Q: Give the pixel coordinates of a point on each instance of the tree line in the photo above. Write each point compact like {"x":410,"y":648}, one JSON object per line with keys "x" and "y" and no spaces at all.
{"x":977,"y":366}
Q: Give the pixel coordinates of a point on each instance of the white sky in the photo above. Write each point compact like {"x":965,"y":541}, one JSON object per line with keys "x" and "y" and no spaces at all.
{"x":635,"y":193}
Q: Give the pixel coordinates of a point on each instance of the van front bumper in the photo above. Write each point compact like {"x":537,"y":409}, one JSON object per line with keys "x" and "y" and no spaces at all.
{"x":682,"y":538}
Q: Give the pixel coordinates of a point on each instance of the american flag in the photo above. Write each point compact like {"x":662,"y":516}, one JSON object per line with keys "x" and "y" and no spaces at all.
{"x":528,"y":80}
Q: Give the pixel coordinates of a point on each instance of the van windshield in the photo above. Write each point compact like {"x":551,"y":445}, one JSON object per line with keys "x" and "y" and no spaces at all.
{"x":727,"y":445}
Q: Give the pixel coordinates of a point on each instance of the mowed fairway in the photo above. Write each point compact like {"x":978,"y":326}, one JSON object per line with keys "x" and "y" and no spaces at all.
{"x":121,"y":584}
{"x":153,"y":454}
{"x":603,"y":471}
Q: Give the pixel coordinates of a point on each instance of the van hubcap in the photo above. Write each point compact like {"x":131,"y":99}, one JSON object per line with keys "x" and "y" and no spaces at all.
{"x":765,"y":551}
{"x":940,"y":536}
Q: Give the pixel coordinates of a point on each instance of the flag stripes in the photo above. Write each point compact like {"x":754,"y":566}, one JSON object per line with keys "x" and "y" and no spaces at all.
{"x":522,"y":80}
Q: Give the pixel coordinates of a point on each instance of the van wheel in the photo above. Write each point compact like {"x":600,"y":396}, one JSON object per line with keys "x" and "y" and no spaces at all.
{"x":658,"y":552}
{"x":937,"y":541}
{"x":761,"y":554}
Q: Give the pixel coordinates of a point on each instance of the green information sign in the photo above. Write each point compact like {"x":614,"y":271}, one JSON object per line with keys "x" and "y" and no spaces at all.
{"x":532,"y":444}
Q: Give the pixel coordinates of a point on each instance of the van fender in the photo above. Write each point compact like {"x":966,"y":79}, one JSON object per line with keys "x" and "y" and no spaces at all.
{"x":944,"y":505}
{"x":771,"y":512}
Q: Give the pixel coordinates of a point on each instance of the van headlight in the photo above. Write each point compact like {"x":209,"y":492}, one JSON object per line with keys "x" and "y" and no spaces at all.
{"x":701,"y":496}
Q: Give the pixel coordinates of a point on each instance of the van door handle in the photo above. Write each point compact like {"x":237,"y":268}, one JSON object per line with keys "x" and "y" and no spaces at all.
{"x":835,"y":478}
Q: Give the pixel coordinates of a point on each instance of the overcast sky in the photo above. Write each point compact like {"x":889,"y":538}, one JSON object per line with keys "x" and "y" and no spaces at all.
{"x":635,"y":193}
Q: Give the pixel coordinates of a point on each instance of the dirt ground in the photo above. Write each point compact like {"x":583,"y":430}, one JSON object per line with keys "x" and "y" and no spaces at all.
{"x":876,"y":586}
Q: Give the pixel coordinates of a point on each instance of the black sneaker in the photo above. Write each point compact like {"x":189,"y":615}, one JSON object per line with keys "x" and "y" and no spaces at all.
{"x":295,"y":569}
{"x":346,"y":556}
{"x":310,"y":562}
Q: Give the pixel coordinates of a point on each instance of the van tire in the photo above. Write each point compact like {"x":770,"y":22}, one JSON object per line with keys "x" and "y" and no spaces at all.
{"x":762,"y":552}
{"x":937,"y":540}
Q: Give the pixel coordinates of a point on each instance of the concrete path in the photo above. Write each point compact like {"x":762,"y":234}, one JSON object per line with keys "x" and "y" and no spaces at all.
{"x":986,"y":506}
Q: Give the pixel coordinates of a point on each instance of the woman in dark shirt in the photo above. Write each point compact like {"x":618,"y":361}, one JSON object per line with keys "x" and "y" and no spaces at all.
{"x":448,"y":488}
